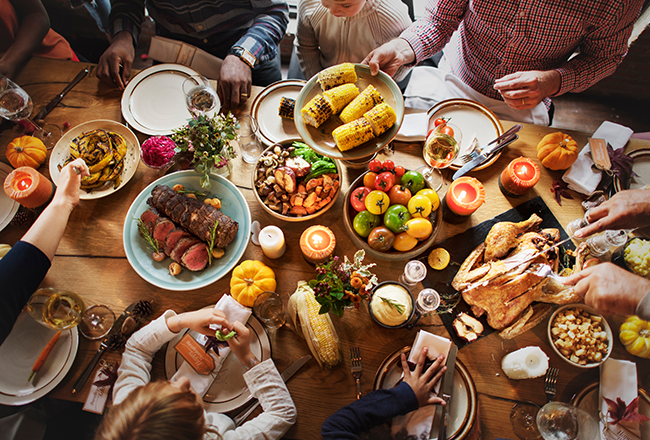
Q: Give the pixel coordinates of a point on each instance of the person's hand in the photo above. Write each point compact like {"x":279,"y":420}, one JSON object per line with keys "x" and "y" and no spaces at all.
{"x":67,"y":190}
{"x":199,"y":321}
{"x":119,"y":54}
{"x":422,"y":382}
{"x":625,"y":210}
{"x":609,"y":288}
{"x":7,"y":69}
{"x":523,"y":90}
{"x":234,"y":85}
{"x":241,"y":345}
{"x":389,"y":57}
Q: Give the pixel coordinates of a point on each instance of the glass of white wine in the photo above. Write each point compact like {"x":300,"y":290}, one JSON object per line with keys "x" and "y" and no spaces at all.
{"x":16,"y":105}
{"x":553,"y":421}
{"x":200,"y":96}
{"x":440,"y":150}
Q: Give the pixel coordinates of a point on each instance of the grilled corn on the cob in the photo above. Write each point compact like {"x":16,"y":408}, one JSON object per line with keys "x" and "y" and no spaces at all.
{"x":352,"y":134}
{"x":287,"y":105}
{"x":340,"y":96}
{"x":337,"y":75}
{"x":318,"y":330}
{"x":366,"y":100}
{"x":316,"y":111}
{"x":381,"y":118}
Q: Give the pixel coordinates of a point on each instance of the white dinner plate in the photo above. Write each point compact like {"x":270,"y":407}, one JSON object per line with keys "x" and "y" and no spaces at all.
{"x":641,"y":167}
{"x":473,"y":119}
{"x":273,"y":127}
{"x":229,"y":390}
{"x":154,"y":103}
{"x":233,"y":204}
{"x":18,"y":354}
{"x":8,"y":206}
{"x":61,"y":152}
{"x":463,"y":405}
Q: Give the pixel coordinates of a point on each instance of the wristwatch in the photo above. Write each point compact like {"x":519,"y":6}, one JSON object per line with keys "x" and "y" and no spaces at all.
{"x":244,"y":55}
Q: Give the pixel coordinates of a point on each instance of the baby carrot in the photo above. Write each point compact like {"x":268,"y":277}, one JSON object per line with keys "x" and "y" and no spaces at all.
{"x":41,"y":359}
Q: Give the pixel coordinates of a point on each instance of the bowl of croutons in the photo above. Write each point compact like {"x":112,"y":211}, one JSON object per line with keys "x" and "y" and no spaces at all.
{"x":294,"y":183}
{"x":580,"y":335}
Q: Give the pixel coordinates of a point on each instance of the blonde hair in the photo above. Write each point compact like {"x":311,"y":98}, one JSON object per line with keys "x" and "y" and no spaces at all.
{"x":151,"y":412}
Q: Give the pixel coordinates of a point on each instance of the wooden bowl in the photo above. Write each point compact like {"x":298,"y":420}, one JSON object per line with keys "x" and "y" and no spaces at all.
{"x":391,"y":255}
{"x":289,"y":217}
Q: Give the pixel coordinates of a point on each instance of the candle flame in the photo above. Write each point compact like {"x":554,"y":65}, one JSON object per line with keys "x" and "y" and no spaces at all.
{"x":316,"y":239}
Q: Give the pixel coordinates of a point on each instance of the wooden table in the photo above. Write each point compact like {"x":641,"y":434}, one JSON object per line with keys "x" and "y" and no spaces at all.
{"x":91,"y":261}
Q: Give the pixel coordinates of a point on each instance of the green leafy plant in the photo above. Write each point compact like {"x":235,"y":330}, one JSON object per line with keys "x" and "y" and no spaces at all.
{"x":209,"y":141}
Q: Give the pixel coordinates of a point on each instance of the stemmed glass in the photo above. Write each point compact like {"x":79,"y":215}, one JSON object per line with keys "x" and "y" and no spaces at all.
{"x":414,"y":272}
{"x":439,"y":152}
{"x":61,"y":310}
{"x":200,"y":96}
{"x":554,"y":421}
{"x":16,"y":105}
{"x":269,"y":309}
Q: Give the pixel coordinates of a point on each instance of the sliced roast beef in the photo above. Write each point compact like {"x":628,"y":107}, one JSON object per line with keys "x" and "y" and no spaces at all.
{"x":195,"y":257}
{"x":183,"y":244}
{"x":161,"y":227}
{"x":149,"y":217}
{"x":172,"y":239}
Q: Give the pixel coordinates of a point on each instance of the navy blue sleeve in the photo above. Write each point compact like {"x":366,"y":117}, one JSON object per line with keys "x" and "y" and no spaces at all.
{"x":371,"y":410}
{"x":21,"y":272}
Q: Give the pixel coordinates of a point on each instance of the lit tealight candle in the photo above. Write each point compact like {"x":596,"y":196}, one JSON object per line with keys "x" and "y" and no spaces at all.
{"x":519,"y":176}
{"x":317,"y":244}
{"x":28,"y":187}
{"x":464,"y":196}
{"x":272,"y":242}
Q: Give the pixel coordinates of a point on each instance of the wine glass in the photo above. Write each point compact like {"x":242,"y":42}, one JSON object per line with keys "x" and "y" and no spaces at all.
{"x":428,"y":301}
{"x":60,"y":310}
{"x":200,"y":96}
{"x":16,"y":105}
{"x":249,"y":143}
{"x":269,"y":309}
{"x":554,"y":421}
{"x":414,"y":272}
{"x":440,"y":150}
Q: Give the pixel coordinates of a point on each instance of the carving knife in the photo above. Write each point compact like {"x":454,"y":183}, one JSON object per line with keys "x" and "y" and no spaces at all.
{"x":48,"y":108}
{"x":286,"y":375}
{"x":445,"y":393}
{"x":117,"y":327}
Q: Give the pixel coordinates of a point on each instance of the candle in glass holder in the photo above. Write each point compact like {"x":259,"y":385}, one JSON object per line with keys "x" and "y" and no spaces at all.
{"x":464,"y":196}
{"x":272,"y":242}
{"x":317,"y":244}
{"x":519,"y":176}
{"x":28,"y":187}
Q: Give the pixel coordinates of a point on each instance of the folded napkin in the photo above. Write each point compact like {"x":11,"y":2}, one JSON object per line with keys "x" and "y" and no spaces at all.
{"x":200,"y":382}
{"x":418,"y":422}
{"x":618,"y":380}
{"x":581,"y":177}
{"x":413,"y":128}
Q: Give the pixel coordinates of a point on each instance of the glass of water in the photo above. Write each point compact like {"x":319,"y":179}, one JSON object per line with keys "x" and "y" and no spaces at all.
{"x":269,"y":309}
{"x":248,"y":139}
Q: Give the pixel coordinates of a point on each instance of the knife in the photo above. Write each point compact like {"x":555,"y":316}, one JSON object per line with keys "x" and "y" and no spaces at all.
{"x":117,"y":327}
{"x":445,"y":392}
{"x":48,"y":108}
{"x":485,"y":155}
{"x":286,"y":375}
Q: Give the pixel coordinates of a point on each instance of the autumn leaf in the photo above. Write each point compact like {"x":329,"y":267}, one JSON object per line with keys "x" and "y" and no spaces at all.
{"x":560,"y":188}
{"x":213,"y":343}
{"x":621,"y":165}
{"x":111,"y":373}
{"x":619,"y":412}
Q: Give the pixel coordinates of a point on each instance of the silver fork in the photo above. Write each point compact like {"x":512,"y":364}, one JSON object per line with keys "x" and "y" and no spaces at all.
{"x":550,"y":381}
{"x":355,"y":362}
{"x":476,"y":151}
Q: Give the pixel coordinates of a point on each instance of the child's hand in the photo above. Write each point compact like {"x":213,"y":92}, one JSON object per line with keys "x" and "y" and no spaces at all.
{"x":69,"y":181}
{"x":199,"y":321}
{"x":240,"y":345}
{"x":422,"y":382}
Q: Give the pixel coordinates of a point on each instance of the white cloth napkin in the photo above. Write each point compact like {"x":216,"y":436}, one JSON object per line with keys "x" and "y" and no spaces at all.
{"x":581,"y":177}
{"x":201,"y":382}
{"x":413,"y":128}
{"x":618,"y":379}
{"x":419,"y":421}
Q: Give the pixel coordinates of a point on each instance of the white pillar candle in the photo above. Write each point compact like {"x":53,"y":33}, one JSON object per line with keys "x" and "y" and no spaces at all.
{"x":525,"y":363}
{"x":272,"y":242}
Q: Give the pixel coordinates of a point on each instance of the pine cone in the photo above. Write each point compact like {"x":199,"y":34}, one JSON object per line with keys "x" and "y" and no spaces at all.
{"x":116,"y":341}
{"x":21,"y":218}
{"x":142,"y":309}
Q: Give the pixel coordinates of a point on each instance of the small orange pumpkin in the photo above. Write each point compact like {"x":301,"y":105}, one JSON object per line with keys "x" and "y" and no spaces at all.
{"x":26,"y":151}
{"x":249,"y":280}
{"x":557,"y":151}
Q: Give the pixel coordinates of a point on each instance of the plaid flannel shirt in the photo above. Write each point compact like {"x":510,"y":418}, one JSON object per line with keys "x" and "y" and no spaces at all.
{"x":213,"y":25}
{"x":499,"y":37}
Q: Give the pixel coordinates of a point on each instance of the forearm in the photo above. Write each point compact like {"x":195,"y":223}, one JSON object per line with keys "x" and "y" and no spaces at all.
{"x":126,"y":15}
{"x":47,"y":230}
{"x":33,"y":28}
{"x":307,"y":49}
{"x":264,"y":36}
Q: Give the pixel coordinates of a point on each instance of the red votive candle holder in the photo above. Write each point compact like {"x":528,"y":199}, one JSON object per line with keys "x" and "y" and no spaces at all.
{"x":28,"y":187}
{"x":317,"y":244}
{"x":464,"y":196}
{"x":519,"y":176}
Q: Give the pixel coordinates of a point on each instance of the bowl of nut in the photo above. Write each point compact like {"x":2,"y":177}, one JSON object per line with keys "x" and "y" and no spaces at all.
{"x":294,"y":183}
{"x":580,"y":335}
